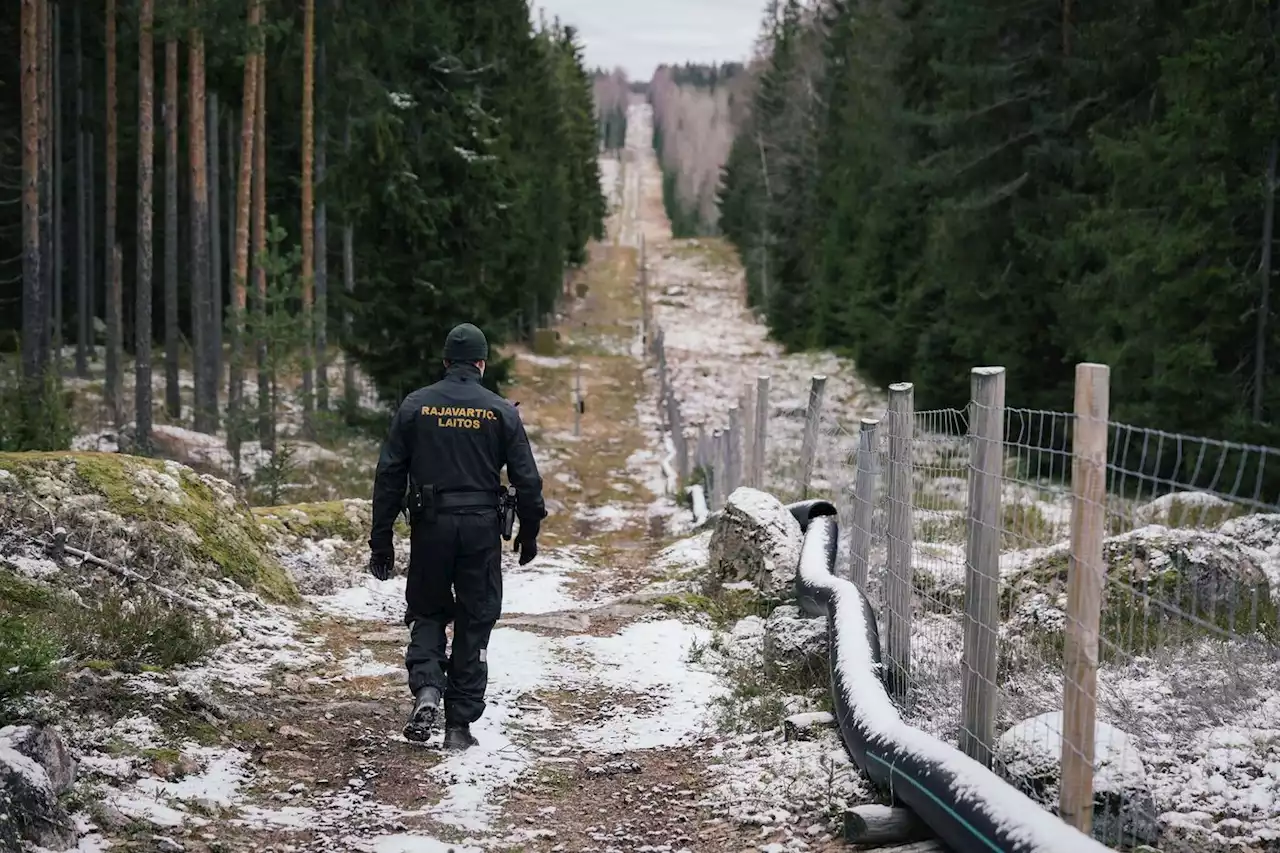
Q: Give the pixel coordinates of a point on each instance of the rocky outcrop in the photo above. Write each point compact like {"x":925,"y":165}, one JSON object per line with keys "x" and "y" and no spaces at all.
{"x":795,"y":643}
{"x":1030,"y":756}
{"x":35,"y":768}
{"x":1156,"y":577}
{"x":130,"y":511}
{"x":756,"y":539}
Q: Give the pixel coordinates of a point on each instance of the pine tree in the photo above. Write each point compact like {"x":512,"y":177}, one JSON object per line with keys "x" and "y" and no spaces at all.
{"x":146,"y":163}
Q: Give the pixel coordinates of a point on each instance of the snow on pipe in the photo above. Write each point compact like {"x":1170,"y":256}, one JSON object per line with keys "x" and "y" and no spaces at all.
{"x":971,"y":809}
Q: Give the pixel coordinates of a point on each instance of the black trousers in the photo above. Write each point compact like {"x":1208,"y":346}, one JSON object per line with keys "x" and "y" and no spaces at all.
{"x":455,"y":575}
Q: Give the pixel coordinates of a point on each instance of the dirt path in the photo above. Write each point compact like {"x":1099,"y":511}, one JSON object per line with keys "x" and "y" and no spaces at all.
{"x":595,"y":715}
{"x":609,"y":676}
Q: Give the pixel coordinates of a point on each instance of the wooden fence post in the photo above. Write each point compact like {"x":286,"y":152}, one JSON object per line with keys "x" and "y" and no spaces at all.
{"x":716,"y":467}
{"x":898,"y":581}
{"x":864,"y":489}
{"x":733,"y":463}
{"x":759,"y":443}
{"x":676,"y":426}
{"x":746,"y":403}
{"x":1086,"y":573}
{"x":809,"y":444}
{"x":982,"y":569}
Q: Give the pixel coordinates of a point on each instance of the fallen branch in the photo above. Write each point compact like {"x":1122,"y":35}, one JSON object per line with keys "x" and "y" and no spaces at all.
{"x":118,"y":571}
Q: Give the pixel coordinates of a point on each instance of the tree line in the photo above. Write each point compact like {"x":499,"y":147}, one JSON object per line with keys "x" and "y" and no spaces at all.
{"x":450,"y":145}
{"x":932,"y":185}
{"x":695,"y":111}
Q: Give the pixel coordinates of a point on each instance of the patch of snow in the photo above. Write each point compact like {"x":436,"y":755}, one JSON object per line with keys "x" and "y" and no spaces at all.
{"x":370,"y":599}
{"x":549,"y":361}
{"x":649,"y":658}
{"x":765,"y":780}
{"x":413,"y":844}
{"x":218,"y":786}
{"x":519,"y":661}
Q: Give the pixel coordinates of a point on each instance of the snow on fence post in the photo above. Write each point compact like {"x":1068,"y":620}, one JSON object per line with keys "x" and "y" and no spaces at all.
{"x":809,"y":444}
{"x":864,"y":488}
{"x":760,"y":440}
{"x":676,"y":426}
{"x":1085,"y":576}
{"x":898,"y":579}
{"x":982,"y":566}
{"x":733,"y":455}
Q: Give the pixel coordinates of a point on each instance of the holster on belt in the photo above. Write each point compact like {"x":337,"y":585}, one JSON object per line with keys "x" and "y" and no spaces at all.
{"x":422,"y":504}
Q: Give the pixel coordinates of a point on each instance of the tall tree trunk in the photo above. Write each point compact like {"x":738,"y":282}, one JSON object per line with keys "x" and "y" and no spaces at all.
{"x":33,"y":315}
{"x":348,"y":285}
{"x":1264,"y":274}
{"x":308,"y":209}
{"x":240,"y":280}
{"x":232,"y":171}
{"x":45,"y":97}
{"x":266,"y":408}
{"x":146,"y":191}
{"x":115,"y":339}
{"x":84,"y":251}
{"x":206,"y":414}
{"x":172,"y":329}
{"x":58,"y":237}
{"x":91,"y":260}
{"x":322,"y":248}
{"x":217,"y":274}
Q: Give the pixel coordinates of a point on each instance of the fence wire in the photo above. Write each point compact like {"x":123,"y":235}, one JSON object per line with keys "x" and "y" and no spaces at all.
{"x":973,"y":539}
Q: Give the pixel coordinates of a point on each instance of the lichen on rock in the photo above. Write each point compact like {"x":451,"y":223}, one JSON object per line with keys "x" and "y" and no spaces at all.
{"x":1162,"y":585}
{"x":137,"y":512}
{"x":756,"y":539}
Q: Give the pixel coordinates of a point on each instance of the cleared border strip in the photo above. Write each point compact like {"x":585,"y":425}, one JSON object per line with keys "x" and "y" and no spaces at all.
{"x":971,"y":809}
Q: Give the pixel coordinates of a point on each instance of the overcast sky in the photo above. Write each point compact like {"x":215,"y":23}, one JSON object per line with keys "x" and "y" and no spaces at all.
{"x":639,"y":35}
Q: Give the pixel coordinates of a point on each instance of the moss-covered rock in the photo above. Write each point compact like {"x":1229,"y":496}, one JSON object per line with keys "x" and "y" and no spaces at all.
{"x":160,"y":518}
{"x":348,"y":519}
{"x":1163,"y":585}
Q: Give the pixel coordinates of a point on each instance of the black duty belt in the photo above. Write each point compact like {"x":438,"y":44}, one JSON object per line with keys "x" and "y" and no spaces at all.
{"x":466,"y":500}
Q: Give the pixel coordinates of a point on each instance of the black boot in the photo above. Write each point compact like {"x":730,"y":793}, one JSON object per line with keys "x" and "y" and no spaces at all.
{"x":423,"y":718}
{"x":458,"y":736}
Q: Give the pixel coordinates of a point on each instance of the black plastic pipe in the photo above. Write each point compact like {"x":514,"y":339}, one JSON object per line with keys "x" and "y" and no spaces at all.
{"x":970,"y":808}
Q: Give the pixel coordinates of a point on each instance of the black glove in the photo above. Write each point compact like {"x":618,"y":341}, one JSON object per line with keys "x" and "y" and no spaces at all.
{"x":527,"y":540}
{"x":381,"y":564}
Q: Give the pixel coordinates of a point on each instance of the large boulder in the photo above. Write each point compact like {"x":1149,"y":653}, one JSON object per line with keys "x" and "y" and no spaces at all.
{"x":796,"y":644}
{"x":1157,"y":577}
{"x":35,"y":768}
{"x":1124,"y":811}
{"x":1261,"y":532}
{"x":756,"y":539}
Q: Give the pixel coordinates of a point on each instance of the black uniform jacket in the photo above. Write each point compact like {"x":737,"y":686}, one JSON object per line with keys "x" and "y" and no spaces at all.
{"x":456,"y":435}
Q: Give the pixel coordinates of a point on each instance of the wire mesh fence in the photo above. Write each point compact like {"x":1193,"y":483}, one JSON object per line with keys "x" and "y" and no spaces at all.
{"x":1087,"y":606}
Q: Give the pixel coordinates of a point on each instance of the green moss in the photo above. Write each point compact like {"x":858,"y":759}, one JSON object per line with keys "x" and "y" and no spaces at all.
{"x":725,"y":606}
{"x":230,"y":538}
{"x":1024,"y":526}
{"x":322,"y":520}
{"x":18,"y":594}
{"x":1188,"y":514}
{"x":1144,"y":609}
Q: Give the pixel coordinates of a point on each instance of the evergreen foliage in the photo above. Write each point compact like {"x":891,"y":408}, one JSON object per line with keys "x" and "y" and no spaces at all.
{"x":933,"y":185}
{"x":471,"y":180}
